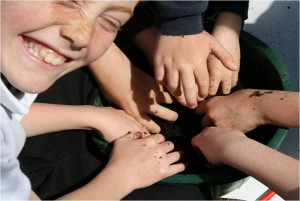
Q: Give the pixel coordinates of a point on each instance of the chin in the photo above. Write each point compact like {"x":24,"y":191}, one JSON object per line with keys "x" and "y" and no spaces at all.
{"x":32,"y":88}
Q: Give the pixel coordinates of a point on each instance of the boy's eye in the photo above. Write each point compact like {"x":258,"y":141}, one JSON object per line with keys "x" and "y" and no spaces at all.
{"x":69,"y":3}
{"x":109,"y":23}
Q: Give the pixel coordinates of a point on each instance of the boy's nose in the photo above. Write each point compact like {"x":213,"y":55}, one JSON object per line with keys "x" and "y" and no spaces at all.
{"x":79,"y":34}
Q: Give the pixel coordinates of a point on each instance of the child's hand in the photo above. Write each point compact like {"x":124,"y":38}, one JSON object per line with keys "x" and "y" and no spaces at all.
{"x":144,"y":160}
{"x":113,"y":123}
{"x":226,"y":31}
{"x":180,"y":61}
{"x":141,"y":95}
{"x":218,"y":138}
{"x":236,"y":110}
{"x":134,"y":91}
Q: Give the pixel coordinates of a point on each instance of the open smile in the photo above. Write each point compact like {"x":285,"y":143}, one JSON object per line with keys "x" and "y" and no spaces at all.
{"x":44,"y":53}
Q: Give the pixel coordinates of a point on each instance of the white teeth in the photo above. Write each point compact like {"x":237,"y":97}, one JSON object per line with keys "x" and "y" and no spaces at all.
{"x":48,"y":57}
{"x":35,"y":54}
{"x":30,"y":45}
{"x":57,"y":61}
{"x":43,"y":53}
{"x":36,"y":49}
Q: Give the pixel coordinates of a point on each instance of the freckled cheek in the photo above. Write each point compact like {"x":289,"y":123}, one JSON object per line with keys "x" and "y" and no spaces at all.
{"x":99,"y":45}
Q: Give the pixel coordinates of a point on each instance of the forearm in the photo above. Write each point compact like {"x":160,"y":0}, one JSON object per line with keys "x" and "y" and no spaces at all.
{"x":110,"y":184}
{"x":279,"y":108}
{"x":46,"y":118}
{"x":146,"y":40}
{"x":228,"y":22}
{"x":276,"y":170}
{"x":113,"y":65}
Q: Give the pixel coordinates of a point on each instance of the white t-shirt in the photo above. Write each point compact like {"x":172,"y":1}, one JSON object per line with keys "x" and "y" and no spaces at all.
{"x":14,"y":184}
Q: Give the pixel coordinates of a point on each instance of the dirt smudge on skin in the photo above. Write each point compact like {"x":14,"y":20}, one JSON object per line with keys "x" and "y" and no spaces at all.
{"x":259,"y":93}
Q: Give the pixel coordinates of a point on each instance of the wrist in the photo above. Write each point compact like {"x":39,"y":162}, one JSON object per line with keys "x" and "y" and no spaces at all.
{"x":259,"y":107}
{"x":251,"y":107}
{"x":232,"y":148}
{"x":122,"y":175}
{"x":93,"y":117}
{"x":229,"y":21}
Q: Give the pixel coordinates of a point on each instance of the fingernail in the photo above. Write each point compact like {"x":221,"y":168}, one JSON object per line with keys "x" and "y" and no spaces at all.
{"x":234,"y":66}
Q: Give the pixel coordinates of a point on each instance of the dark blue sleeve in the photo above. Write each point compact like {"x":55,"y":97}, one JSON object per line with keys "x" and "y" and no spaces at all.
{"x":177,"y":17}
{"x":238,"y":7}
{"x":169,"y":17}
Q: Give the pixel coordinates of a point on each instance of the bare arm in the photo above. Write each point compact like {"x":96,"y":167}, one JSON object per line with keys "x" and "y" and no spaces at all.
{"x":277,"y":171}
{"x":109,"y":122}
{"x":248,"y":108}
{"x":135,"y":163}
{"x":138,"y":160}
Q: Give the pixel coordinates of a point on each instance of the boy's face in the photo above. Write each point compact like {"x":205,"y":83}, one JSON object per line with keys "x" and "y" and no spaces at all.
{"x":43,"y":40}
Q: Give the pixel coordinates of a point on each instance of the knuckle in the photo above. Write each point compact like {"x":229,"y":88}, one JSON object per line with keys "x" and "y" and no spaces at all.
{"x":150,"y":141}
{"x":163,"y":171}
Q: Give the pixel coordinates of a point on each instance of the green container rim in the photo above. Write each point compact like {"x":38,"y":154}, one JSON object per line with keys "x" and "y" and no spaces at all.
{"x":228,"y":174}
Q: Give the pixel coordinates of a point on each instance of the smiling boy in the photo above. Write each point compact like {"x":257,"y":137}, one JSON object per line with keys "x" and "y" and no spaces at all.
{"x":41,"y":42}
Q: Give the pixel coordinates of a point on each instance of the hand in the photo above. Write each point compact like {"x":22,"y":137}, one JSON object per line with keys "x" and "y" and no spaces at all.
{"x":226,"y":30}
{"x":134,"y":91}
{"x":113,"y":124}
{"x":218,"y":138}
{"x":237,"y":110}
{"x":144,"y":97}
{"x":180,"y":61}
{"x":145,"y":160}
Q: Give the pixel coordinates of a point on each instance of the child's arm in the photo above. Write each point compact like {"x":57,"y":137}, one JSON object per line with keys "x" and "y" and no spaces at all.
{"x":277,"y":171}
{"x":246,"y":109}
{"x":136,"y":92}
{"x":109,"y":122}
{"x":135,"y":163}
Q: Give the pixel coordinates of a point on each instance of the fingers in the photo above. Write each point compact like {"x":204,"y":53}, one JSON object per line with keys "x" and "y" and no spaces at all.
{"x":151,"y":126}
{"x":173,"y":82}
{"x":202,"y":79}
{"x":168,"y":146}
{"x":163,"y":97}
{"x":157,"y":138}
{"x":163,"y":112}
{"x":159,"y":72}
{"x":223,"y":55}
{"x":135,"y":135}
{"x":213,"y":86}
{"x":234,"y":80}
{"x":226,"y":86}
{"x":174,"y":156}
{"x":176,"y":168}
{"x":201,"y":110}
{"x":188,"y":86}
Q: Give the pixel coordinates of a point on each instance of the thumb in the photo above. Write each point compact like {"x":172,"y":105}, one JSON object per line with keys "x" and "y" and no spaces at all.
{"x":223,"y":55}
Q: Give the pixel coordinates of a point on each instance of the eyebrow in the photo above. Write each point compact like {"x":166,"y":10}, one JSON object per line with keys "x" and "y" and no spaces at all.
{"x":121,"y":9}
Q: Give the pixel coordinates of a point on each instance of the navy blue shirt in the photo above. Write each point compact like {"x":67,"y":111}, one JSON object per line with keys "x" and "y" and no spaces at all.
{"x":179,"y":17}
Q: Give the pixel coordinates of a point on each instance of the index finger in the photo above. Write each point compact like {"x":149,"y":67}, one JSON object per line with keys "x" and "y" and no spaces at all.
{"x":163,"y":112}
